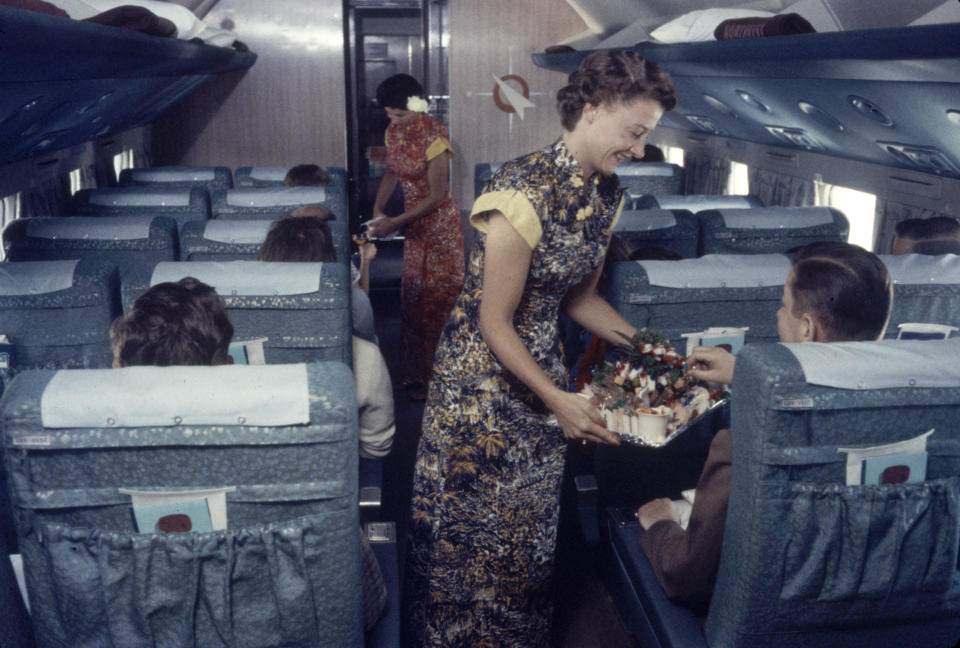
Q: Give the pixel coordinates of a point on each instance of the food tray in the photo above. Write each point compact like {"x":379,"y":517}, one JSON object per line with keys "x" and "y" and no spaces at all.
{"x":640,"y":441}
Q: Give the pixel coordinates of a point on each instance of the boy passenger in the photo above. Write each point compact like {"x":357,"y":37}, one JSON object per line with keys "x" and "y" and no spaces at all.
{"x":835,"y":292}
{"x":936,"y":235}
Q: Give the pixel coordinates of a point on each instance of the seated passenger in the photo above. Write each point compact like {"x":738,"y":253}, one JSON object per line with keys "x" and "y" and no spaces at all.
{"x":835,"y":292}
{"x":308,"y":239}
{"x":306,"y":175}
{"x":936,"y":233}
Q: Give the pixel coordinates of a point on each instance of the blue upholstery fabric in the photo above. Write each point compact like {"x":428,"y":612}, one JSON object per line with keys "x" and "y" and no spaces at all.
{"x":181,"y":204}
{"x":196,"y":244}
{"x":682,"y":309}
{"x":762,"y":230}
{"x":299,"y":328}
{"x":808,"y":560}
{"x":925,"y":289}
{"x":272,"y":176}
{"x":206,"y":177}
{"x":274,"y":202}
{"x":65,"y":328}
{"x":695,"y":203}
{"x":64,"y":238}
{"x":286,"y":571}
{"x":677,"y":230}
{"x":657,"y":178}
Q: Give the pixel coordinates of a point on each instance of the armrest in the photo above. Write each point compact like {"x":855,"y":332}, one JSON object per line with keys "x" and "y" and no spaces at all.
{"x":370,"y":479}
{"x":16,"y":619}
{"x":672,"y":626}
{"x":383,"y":541}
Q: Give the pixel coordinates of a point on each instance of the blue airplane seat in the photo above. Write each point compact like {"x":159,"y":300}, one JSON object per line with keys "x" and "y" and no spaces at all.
{"x":272,"y":176}
{"x":207,"y":177}
{"x":267,"y":551}
{"x":676,"y":230}
{"x":180,"y":203}
{"x":383,"y":541}
{"x":762,"y":230}
{"x":926,"y":288}
{"x":693,"y":202}
{"x":657,"y":178}
{"x":222,"y":240}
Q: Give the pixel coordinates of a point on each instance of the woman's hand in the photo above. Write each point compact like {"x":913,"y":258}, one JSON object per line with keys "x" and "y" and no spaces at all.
{"x":711,"y":364}
{"x":580,"y":419}
{"x":656,"y":511}
{"x":380,"y":227}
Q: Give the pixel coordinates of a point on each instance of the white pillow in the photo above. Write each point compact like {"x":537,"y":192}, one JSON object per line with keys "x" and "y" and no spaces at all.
{"x":699,"y":25}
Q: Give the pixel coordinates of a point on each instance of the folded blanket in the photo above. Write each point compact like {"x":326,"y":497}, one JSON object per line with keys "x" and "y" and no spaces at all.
{"x":779,"y":25}
{"x":135,"y":18}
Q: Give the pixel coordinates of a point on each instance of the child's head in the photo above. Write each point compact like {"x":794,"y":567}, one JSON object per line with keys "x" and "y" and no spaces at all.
{"x":835,"y":292}
{"x":306,"y":175}
{"x":298,"y":238}
{"x":173,"y":323}
{"x":913,"y":231}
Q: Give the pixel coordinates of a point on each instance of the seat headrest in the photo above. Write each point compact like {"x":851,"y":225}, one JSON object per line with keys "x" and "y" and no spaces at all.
{"x":36,"y":277}
{"x":646,"y":169}
{"x":639,"y":220}
{"x":269,"y":173}
{"x":719,"y":271}
{"x":272,"y":395}
{"x":776,"y":217}
{"x":244,"y":277}
{"x":97,"y":228}
{"x":697,"y":203}
{"x":885,"y":364}
{"x":923,"y":268}
{"x":237,"y":231}
{"x":275,"y":196}
{"x":174,"y":174}
{"x":140,"y":197}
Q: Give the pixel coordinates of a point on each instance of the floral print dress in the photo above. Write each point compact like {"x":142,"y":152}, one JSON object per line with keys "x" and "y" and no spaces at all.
{"x":487,"y":480}
{"x":433,"y":261}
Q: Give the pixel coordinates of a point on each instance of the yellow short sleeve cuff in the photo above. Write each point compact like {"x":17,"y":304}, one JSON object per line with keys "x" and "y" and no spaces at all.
{"x":437,"y":147}
{"x":515,"y":207}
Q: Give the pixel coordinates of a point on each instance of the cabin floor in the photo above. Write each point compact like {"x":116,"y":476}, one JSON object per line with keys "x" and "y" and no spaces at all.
{"x":584,"y":614}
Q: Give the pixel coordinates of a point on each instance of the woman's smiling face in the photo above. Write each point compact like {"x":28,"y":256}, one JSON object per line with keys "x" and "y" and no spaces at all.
{"x":617,"y":132}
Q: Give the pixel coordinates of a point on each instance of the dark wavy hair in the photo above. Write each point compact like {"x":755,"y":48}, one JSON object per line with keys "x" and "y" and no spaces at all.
{"x":613,"y":76}
{"x":394,"y":91}
{"x":846,"y":288}
{"x":173,"y":323}
{"x":306,"y":175}
{"x":298,"y":238}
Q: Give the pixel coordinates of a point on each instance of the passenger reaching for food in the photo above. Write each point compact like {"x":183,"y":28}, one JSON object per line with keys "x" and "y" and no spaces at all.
{"x":489,"y":465}
{"x":835,"y":292}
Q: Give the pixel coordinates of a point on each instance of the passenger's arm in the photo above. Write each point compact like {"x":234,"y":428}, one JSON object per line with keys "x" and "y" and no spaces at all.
{"x":374,"y":399}
{"x":506,"y":265}
{"x":438,"y":180}
{"x":368,"y":251}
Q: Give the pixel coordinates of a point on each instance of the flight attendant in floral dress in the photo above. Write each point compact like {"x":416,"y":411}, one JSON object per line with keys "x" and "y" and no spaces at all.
{"x":418,"y":151}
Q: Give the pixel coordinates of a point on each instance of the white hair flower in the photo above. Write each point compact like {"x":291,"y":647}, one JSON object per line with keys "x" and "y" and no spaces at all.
{"x":416,"y":104}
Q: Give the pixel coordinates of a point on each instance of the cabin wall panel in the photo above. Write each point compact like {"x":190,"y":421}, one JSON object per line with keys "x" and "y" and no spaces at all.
{"x":497,"y":37}
{"x":290,"y":107}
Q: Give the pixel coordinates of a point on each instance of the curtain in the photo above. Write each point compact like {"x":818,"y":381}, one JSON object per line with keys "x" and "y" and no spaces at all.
{"x":890,"y":213}
{"x":48,"y":198}
{"x":782,"y":190}
{"x":705,"y":175}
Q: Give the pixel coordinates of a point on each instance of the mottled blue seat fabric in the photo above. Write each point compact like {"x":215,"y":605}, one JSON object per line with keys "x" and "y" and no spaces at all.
{"x":694,"y":202}
{"x":222,"y":240}
{"x":309,"y":324}
{"x":183,"y":204}
{"x":676,"y":230}
{"x":810,"y":561}
{"x":205,"y":177}
{"x":688,"y":295}
{"x":272,"y":176}
{"x":482,"y":172}
{"x":63,"y":320}
{"x":657,"y":178}
{"x":123,"y":240}
{"x":926,"y":288}
{"x":274,"y":202}
{"x":284,"y":572}
{"x":762,"y":230}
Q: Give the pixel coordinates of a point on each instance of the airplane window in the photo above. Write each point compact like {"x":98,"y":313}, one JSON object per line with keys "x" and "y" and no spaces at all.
{"x":123,"y":160}
{"x":9,"y":210}
{"x":75,"y":181}
{"x":860,"y":209}
{"x":739,"y":182}
{"x":673,"y":154}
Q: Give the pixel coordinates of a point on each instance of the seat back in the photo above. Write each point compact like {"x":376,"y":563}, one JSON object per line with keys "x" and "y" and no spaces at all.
{"x":925,"y":289}
{"x":206,"y":177}
{"x":180,"y":203}
{"x":123,"y":240}
{"x":676,"y":230}
{"x":762,"y":230}
{"x":57,"y":314}
{"x":692,"y":202}
{"x":482,"y":172}
{"x":222,"y":240}
{"x":808,"y":559}
{"x":271,"y":203}
{"x":280,"y":566}
{"x":657,"y":178}
{"x":302,"y":309}
{"x":688,"y":295}
{"x":272,"y":176}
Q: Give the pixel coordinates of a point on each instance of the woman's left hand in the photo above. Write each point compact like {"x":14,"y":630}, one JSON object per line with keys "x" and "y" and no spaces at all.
{"x":380,"y":228}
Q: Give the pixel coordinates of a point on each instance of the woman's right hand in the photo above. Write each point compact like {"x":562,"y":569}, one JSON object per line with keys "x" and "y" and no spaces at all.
{"x":711,"y":364}
{"x":580,"y":419}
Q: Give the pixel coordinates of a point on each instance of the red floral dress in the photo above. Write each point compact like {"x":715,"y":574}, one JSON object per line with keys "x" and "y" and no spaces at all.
{"x":433,"y":263}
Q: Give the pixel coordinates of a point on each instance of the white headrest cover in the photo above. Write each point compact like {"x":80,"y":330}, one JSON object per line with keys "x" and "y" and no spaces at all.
{"x":166,"y":396}
{"x":97,"y":228}
{"x":644,"y":220}
{"x":237,"y":231}
{"x":776,"y":217}
{"x":269,"y":173}
{"x":174,"y":174}
{"x":701,"y":203}
{"x":36,"y":277}
{"x":276,"y":196}
{"x":923,"y":268}
{"x":880,"y":365}
{"x":140,"y":197}
{"x":719,"y":271}
{"x":646,"y":169}
{"x":244,"y":277}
